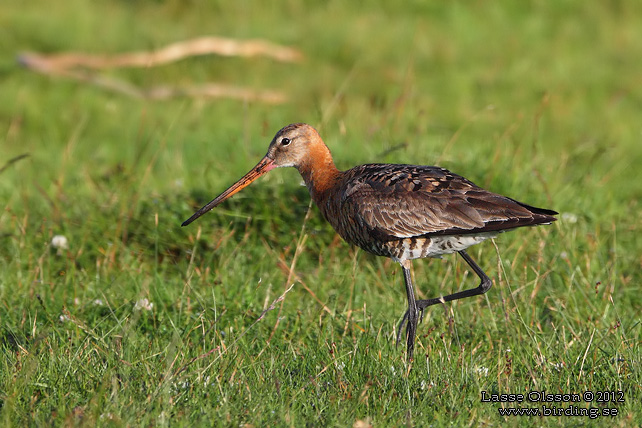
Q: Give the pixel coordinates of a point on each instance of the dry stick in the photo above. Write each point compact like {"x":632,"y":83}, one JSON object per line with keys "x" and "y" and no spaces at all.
{"x":170,"y":53}
{"x":74,"y":65}
{"x":213,"y":90}
{"x":44,"y":65}
{"x":207,"y":90}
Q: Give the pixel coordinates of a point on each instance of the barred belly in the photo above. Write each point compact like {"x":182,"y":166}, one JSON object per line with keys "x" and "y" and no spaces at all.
{"x":433,"y":246}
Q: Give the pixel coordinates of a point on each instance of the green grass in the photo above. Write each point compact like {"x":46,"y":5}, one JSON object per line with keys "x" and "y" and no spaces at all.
{"x":537,"y":100}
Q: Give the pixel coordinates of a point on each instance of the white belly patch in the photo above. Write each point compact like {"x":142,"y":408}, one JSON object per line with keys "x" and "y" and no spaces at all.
{"x":436,"y":246}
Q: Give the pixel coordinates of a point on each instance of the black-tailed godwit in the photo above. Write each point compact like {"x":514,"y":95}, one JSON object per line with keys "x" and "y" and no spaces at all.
{"x":404,"y":212}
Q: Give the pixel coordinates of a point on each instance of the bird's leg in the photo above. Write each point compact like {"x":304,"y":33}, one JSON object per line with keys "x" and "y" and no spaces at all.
{"x":483,"y":287}
{"x":412,"y":313}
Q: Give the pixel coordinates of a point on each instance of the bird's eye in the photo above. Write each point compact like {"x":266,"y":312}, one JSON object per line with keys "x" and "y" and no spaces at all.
{"x":285,"y":141}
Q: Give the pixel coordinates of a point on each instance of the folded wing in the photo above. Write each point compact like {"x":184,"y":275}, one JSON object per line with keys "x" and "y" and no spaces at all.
{"x":402,"y":201}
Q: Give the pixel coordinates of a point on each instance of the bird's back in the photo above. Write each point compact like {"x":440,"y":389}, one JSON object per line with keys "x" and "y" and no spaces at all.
{"x":410,"y":211}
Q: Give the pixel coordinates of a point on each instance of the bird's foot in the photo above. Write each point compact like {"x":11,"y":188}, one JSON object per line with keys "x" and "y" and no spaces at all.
{"x":421,"y":305}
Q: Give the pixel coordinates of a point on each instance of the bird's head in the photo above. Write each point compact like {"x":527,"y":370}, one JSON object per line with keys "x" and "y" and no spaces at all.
{"x":294,"y":145}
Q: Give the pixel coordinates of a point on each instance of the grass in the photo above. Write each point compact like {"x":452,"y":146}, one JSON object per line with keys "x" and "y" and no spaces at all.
{"x":536,"y":100}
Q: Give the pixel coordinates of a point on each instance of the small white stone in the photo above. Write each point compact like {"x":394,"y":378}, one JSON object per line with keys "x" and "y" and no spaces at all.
{"x":60,"y":242}
{"x":143,"y":304}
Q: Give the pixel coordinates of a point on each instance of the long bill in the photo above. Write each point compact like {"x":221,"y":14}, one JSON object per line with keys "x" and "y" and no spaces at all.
{"x":265,"y":165}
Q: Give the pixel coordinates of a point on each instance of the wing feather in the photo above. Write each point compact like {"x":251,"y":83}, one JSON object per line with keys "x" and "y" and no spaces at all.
{"x":403,"y":201}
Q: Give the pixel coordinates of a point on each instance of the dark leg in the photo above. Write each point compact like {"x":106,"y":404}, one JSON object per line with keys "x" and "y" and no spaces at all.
{"x":483,"y":287}
{"x":412,"y":313}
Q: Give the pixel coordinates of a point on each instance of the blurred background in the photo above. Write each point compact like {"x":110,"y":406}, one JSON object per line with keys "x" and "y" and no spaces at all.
{"x":456,"y":83}
{"x":537,"y":100}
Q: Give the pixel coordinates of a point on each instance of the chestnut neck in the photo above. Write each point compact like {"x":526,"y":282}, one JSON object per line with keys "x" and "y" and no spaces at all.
{"x":319,"y":172}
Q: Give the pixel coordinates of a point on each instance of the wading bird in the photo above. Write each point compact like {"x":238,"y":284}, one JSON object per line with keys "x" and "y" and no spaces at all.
{"x":404,"y":212}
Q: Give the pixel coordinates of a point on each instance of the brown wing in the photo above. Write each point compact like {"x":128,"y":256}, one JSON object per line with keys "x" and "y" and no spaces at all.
{"x":409,"y":200}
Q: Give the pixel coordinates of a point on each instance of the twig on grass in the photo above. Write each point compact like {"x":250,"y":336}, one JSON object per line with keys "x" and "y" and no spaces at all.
{"x":207,"y":90}
{"x":77,"y":66}
{"x":167,"y":54}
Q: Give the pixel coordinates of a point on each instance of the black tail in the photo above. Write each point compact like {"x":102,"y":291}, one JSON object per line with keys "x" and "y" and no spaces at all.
{"x":544,"y":214}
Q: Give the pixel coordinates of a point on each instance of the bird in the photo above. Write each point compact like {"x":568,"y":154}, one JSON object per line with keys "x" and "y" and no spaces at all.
{"x":403,"y":212}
